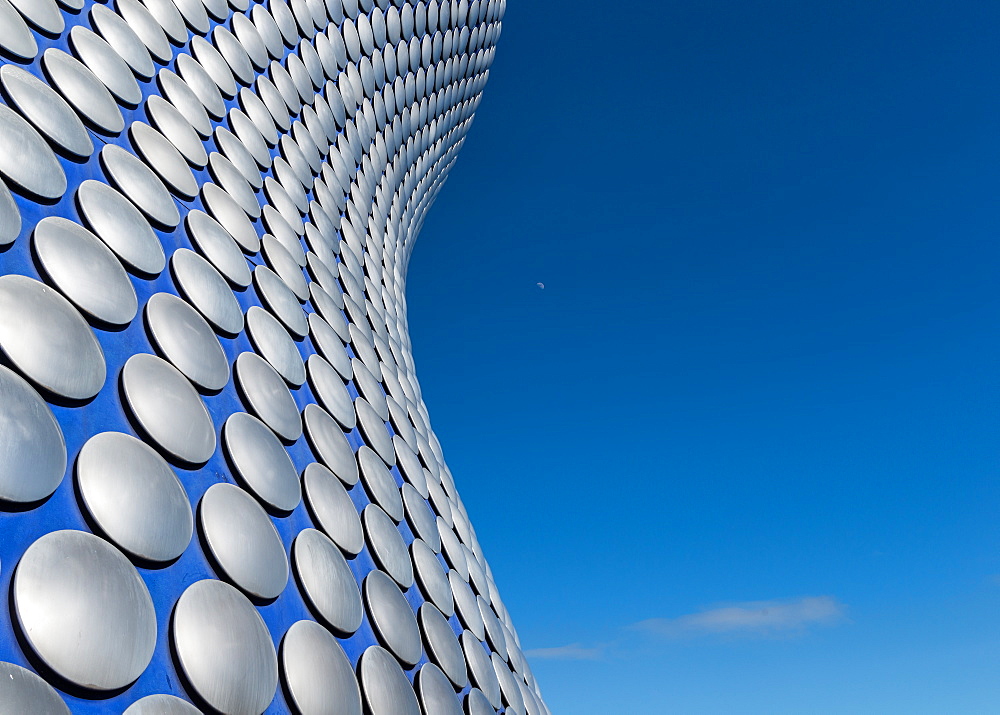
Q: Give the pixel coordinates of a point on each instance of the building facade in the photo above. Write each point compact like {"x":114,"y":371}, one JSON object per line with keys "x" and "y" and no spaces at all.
{"x":219,"y":488}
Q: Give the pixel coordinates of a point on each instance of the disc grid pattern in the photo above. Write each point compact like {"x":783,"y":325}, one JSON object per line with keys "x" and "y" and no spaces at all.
{"x":207,"y":209}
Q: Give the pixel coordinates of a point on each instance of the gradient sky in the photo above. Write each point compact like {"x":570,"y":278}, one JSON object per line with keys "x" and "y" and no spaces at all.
{"x":740,"y":454}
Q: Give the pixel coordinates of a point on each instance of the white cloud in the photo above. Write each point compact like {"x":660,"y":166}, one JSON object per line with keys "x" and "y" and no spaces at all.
{"x":573,"y":651}
{"x":760,"y":619}
{"x":754,"y":618}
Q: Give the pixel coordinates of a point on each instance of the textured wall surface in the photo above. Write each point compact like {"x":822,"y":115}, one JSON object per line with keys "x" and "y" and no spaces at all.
{"x":219,"y":489}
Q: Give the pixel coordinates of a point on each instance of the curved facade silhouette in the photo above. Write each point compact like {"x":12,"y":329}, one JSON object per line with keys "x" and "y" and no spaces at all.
{"x":219,"y":488}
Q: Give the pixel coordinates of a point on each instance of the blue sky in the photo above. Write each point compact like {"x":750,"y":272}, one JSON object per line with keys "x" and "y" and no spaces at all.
{"x":740,"y":453}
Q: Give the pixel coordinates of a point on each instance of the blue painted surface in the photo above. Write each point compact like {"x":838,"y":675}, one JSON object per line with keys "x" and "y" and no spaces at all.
{"x":18,"y":529}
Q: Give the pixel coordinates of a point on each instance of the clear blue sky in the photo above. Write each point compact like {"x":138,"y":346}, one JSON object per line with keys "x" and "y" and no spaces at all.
{"x":740,"y":455}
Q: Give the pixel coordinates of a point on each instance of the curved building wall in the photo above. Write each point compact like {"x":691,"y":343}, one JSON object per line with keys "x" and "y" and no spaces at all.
{"x":219,"y":488}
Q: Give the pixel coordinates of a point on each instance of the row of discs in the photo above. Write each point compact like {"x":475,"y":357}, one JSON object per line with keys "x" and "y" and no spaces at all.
{"x":314,"y":137}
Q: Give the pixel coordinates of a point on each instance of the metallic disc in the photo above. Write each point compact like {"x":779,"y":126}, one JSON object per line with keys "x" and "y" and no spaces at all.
{"x":31,"y":441}
{"x":194,"y":14}
{"x":387,"y":546}
{"x":369,"y":387}
{"x":26,"y":161}
{"x":268,"y":30}
{"x":512,"y":652}
{"x":147,"y":28}
{"x":84,"y":270}
{"x":46,"y":339}
{"x":21,"y":691}
{"x":161,"y":705}
{"x":326,"y":340}
{"x":452,"y":549}
{"x":304,"y":17}
{"x":43,"y":15}
{"x":183,"y":337}
{"x":134,"y":497}
{"x":261,"y":462}
{"x":477,"y":574}
{"x":436,"y":694}
{"x":286,"y":88}
{"x":439,"y":500}
{"x":250,"y":137}
{"x":392,"y":618}
{"x":248,"y":36}
{"x":243,"y":541}
{"x":169,"y":18}
{"x":532,"y":702}
{"x":121,"y":226}
{"x":329,"y":444}
{"x":319,"y":270}
{"x":224,"y":648}
{"x":409,"y":466}
{"x":168,"y":163}
{"x":123,"y":39}
{"x":330,"y":305}
{"x":476,"y":703}
{"x":215,"y":65}
{"x":168,"y":409}
{"x":15,"y":37}
{"x":272,"y":341}
{"x":379,"y":483}
{"x":374,"y":431}
{"x":389,"y":370}
{"x":46,"y":110}
{"x":234,"y":149}
{"x":420,"y":518}
{"x":106,"y":64}
{"x":329,"y":388}
{"x":200,"y":82}
{"x":295,"y":159}
{"x":331,"y":310}
{"x":84,"y":610}
{"x":280,"y":199}
{"x":509,"y":689}
{"x":183,"y":116}
{"x":227,"y":212}
{"x":226,"y":175}
{"x":181,"y":102}
{"x":10,"y":217}
{"x":327,"y":581}
{"x":332,"y":509}
{"x":481,"y":668}
{"x":384,"y":685}
{"x":303,"y":139}
{"x":267,"y":396}
{"x":234,"y":53}
{"x":285,"y":20}
{"x":282,"y":263}
{"x":284,"y":233}
{"x":217,"y":245}
{"x":494,"y":633}
{"x":319,"y":676}
{"x":260,"y":116}
{"x":398,"y":414}
{"x":442,"y":645}
{"x":84,"y":90}
{"x":351,"y":40}
{"x":207,"y":291}
{"x":355,"y":313}
{"x":138,"y":182}
{"x":280,"y":300}
{"x":432,"y":578}
{"x":362,"y":340}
